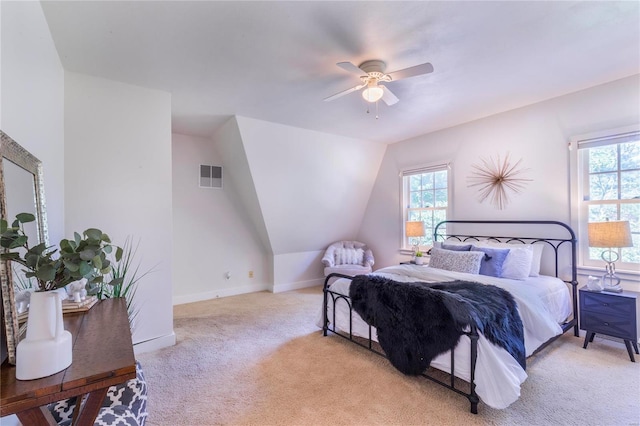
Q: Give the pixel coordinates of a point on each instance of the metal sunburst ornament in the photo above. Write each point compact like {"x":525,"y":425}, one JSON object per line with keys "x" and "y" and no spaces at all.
{"x":496,"y":177}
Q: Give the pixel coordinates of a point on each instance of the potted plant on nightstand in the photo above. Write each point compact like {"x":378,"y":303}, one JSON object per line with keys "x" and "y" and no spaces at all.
{"x":419,"y":258}
{"x":46,"y":349}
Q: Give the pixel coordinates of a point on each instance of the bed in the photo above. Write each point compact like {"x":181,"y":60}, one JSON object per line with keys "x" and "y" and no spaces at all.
{"x":545,"y":302}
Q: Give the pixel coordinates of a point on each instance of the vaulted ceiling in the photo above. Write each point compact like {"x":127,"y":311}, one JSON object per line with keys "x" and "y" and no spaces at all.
{"x":275,"y":61}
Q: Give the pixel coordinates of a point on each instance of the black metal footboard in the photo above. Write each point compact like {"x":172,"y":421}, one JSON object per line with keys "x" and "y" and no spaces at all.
{"x":369,"y":342}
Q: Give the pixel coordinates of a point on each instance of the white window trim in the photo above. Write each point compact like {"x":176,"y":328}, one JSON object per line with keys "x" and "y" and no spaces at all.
{"x":403,"y":196}
{"x":577,"y":220}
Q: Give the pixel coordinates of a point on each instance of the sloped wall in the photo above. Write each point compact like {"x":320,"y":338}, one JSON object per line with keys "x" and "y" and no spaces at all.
{"x":312,"y":187}
{"x":216,"y":244}
{"x":288,"y":193}
{"x":312,"y":190}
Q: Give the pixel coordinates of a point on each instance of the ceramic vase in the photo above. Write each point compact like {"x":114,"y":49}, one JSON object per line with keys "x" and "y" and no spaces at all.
{"x":47,"y":348}
{"x":419,"y":260}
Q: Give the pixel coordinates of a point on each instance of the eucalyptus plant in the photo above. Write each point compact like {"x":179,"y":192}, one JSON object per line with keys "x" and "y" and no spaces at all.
{"x":83,"y":257}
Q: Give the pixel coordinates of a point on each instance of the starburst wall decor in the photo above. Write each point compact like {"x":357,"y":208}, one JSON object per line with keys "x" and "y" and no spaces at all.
{"x":496,"y":178}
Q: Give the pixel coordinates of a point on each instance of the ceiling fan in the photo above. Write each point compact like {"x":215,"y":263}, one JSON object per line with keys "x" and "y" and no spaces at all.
{"x":374,"y":75}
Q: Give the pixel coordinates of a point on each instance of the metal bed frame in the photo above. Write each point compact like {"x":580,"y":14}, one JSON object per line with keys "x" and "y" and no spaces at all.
{"x":471,"y":395}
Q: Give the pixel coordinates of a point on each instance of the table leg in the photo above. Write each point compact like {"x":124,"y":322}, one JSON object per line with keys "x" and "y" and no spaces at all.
{"x":91,"y":407}
{"x":38,"y":416}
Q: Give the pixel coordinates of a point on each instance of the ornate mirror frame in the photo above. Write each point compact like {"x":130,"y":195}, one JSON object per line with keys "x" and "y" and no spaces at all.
{"x":13,"y":152}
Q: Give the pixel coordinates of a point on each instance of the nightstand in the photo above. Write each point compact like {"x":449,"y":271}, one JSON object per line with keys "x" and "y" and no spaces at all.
{"x":613,"y":314}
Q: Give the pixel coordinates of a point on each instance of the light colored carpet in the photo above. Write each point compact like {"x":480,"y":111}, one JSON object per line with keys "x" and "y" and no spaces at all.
{"x":259,"y":359}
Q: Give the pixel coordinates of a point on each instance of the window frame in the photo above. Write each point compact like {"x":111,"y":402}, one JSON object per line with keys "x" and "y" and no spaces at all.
{"x":404,"y":178}
{"x":579,"y":184}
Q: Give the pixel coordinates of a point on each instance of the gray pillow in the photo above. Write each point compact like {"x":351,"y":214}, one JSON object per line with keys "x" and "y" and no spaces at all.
{"x":457,"y":261}
{"x":456,"y":247}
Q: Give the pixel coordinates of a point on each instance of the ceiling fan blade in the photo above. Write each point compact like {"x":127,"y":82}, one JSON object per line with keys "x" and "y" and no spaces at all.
{"x":411,"y":71}
{"x":348,"y":66}
{"x":388,"y":97}
{"x":344,"y":92}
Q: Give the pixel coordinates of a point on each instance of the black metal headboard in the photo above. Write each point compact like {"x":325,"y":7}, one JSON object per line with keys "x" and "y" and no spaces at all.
{"x":555,"y":242}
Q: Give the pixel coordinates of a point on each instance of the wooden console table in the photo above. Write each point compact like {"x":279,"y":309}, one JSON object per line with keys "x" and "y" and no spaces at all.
{"x":102,"y":357}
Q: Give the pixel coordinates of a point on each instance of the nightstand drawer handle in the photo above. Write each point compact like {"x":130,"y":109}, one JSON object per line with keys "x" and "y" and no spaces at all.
{"x":605,"y":304}
{"x":606,"y":323}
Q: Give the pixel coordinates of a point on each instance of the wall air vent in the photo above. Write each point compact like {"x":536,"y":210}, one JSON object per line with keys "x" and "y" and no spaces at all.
{"x":210,"y":176}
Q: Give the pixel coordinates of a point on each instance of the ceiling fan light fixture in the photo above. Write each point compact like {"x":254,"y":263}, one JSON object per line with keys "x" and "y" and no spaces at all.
{"x":372,"y":93}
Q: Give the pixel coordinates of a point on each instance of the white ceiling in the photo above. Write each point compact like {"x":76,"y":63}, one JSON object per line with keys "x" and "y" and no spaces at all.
{"x":275,"y":61}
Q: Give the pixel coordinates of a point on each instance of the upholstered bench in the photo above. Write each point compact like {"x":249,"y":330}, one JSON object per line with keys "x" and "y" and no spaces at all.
{"x":124,"y":405}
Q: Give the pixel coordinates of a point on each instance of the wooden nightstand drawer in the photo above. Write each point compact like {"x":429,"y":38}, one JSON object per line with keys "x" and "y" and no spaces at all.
{"x":607,"y":304}
{"x":616,"y":326}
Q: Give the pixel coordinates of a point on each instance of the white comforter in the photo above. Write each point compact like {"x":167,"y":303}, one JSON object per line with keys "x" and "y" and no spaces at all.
{"x":543,"y":302}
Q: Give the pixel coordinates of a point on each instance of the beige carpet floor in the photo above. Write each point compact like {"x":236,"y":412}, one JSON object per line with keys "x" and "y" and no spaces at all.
{"x":259,"y":359}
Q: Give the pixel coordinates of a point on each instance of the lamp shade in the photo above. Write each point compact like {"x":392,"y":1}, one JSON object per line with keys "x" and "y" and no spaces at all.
{"x":610,"y":234}
{"x":414,"y":229}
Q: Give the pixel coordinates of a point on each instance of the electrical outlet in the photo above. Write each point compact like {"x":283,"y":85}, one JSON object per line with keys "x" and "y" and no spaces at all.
{"x":250,"y":274}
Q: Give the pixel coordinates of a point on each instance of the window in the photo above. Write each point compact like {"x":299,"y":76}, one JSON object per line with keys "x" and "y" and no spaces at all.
{"x":425,"y":198}
{"x":608,"y":174}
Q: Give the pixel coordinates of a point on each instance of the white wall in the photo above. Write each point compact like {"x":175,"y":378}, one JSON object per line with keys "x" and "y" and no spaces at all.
{"x":229,"y":145}
{"x":213,"y":234}
{"x":538,"y":134}
{"x":32,"y":98}
{"x":32,"y":103}
{"x":288,"y":193}
{"x":312,"y":189}
{"x":118,"y":179}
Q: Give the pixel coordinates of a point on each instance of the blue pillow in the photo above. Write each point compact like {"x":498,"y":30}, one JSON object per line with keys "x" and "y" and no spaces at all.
{"x":493,"y":260}
{"x":456,"y":247}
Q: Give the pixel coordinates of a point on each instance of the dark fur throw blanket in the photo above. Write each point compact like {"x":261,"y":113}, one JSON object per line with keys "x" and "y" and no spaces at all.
{"x":417,"y":321}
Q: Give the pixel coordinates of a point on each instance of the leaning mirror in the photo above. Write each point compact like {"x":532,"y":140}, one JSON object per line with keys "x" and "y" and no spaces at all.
{"x":21,"y":190}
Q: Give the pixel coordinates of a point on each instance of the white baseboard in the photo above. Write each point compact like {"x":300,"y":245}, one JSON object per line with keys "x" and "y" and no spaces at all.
{"x":279,"y":288}
{"x":225,"y":292}
{"x":155,"y":344}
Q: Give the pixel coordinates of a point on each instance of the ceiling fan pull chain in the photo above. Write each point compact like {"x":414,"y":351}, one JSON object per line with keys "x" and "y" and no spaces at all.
{"x":376,"y":110}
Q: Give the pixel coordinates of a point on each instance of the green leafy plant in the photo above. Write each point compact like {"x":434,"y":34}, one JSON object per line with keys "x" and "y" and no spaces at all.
{"x":419,"y":254}
{"x":21,"y":282}
{"x":83,"y":257}
{"x":125,"y":276}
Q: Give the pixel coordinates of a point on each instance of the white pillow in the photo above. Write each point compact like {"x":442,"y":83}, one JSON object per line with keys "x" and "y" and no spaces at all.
{"x":536,"y":249}
{"x":458,"y":261}
{"x":517,"y":265}
{"x":536,"y":260}
{"x":348,"y":256}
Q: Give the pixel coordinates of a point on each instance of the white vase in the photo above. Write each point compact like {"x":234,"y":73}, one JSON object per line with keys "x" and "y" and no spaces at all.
{"x":419,"y":260}
{"x":47,"y":348}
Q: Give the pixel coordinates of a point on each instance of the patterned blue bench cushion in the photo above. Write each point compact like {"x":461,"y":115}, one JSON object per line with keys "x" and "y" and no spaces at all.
{"x":123,"y":404}
{"x":118,"y":415}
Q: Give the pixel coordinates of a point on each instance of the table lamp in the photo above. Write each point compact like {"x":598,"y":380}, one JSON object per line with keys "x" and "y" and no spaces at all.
{"x":413,"y":230}
{"x":609,"y":235}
